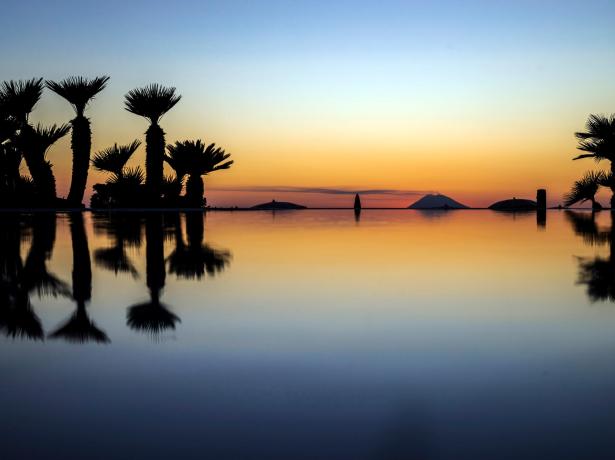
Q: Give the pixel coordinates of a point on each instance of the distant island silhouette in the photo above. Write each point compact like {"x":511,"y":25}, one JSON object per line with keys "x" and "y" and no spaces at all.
{"x":514,"y":204}
{"x":278,"y":205}
{"x":437,"y":201}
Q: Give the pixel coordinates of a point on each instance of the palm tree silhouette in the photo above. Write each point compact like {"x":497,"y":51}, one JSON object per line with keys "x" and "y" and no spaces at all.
{"x":35,"y":144}
{"x":196,"y":258}
{"x":79,"y":92}
{"x":585,"y":189}
{"x":152,"y":102}
{"x":123,"y":188}
{"x":17,"y":100}
{"x":599,"y":142}
{"x":80,"y":328}
{"x":179,"y":158}
{"x":113,"y":159}
{"x":196,"y":160}
{"x":153,"y":317}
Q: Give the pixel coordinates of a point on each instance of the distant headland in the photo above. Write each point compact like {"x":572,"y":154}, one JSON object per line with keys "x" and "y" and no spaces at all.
{"x":437,"y":201}
{"x":274,"y":205}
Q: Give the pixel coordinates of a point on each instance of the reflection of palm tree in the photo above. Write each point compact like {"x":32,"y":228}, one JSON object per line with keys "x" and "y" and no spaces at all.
{"x":153,"y":316}
{"x":152,"y":102}
{"x":584,"y":225}
{"x":22,"y":322}
{"x":79,"y":91}
{"x":36,"y":276}
{"x":599,"y":143}
{"x":79,"y":328}
{"x":597,"y":273}
{"x":194,"y":259}
{"x":125,"y":231}
{"x":17,"y":318}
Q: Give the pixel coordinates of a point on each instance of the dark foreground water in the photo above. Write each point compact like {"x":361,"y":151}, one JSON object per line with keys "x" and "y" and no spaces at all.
{"x":307,"y":335}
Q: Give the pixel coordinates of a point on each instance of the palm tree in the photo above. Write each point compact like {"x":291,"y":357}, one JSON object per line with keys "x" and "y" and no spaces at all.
{"x":585,"y":189}
{"x":10,"y":158}
{"x":176,"y":159}
{"x":79,"y":92}
{"x":114,"y":159}
{"x":35,"y":143}
{"x":152,"y":102}
{"x":196,"y":160}
{"x":124,"y":187}
{"x":599,"y":142}
{"x":20,"y":97}
{"x":17,"y":100}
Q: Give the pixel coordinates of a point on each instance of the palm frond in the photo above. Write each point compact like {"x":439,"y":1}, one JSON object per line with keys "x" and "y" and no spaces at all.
{"x":78,"y":91}
{"x":40,"y":138}
{"x":20,"y":96}
{"x":113,"y":159}
{"x":134,"y":175}
{"x":151,"y":101}
{"x":197,"y":158}
{"x":585,"y":188}
{"x":598,"y":139}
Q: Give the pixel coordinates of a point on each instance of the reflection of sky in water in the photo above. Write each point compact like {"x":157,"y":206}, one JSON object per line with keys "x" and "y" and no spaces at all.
{"x":400,"y":336}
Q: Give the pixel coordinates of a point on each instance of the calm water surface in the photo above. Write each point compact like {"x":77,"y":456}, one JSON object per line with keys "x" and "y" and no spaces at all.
{"x":307,"y":335}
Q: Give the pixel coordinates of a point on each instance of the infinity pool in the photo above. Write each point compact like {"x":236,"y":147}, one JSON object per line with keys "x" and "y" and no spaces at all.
{"x":307,"y":335}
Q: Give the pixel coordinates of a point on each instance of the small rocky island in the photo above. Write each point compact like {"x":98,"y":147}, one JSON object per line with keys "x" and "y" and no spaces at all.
{"x":515,"y":204}
{"x":437,"y":201}
{"x":277,"y":206}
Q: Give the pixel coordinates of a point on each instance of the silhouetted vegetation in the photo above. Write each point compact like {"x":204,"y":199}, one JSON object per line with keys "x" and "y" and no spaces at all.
{"x":153,"y":317}
{"x":80,"y":328}
{"x":79,"y":91}
{"x":19,"y":280}
{"x":585,"y":189}
{"x":152,"y":102}
{"x":124,"y":229}
{"x":126,"y":187}
{"x":196,"y":258}
{"x":598,"y":141}
{"x":596,"y":273}
{"x":194,"y":159}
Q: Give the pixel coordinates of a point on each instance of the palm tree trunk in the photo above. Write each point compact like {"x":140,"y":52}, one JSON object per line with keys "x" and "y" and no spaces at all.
{"x":194,"y":191}
{"x":47,"y":188}
{"x":81,"y":144}
{"x":154,"y":157}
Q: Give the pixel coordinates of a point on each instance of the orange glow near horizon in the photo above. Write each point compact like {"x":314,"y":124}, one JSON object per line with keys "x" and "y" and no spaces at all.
{"x":475,"y":167}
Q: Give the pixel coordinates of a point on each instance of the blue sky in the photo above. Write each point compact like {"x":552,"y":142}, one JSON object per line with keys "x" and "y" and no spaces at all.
{"x":275,"y":81}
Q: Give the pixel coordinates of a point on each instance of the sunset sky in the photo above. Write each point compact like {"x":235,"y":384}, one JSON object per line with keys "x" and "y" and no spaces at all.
{"x":316,"y":99}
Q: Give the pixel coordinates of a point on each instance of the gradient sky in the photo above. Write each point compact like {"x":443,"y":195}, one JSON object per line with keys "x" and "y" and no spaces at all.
{"x":478,"y":100}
